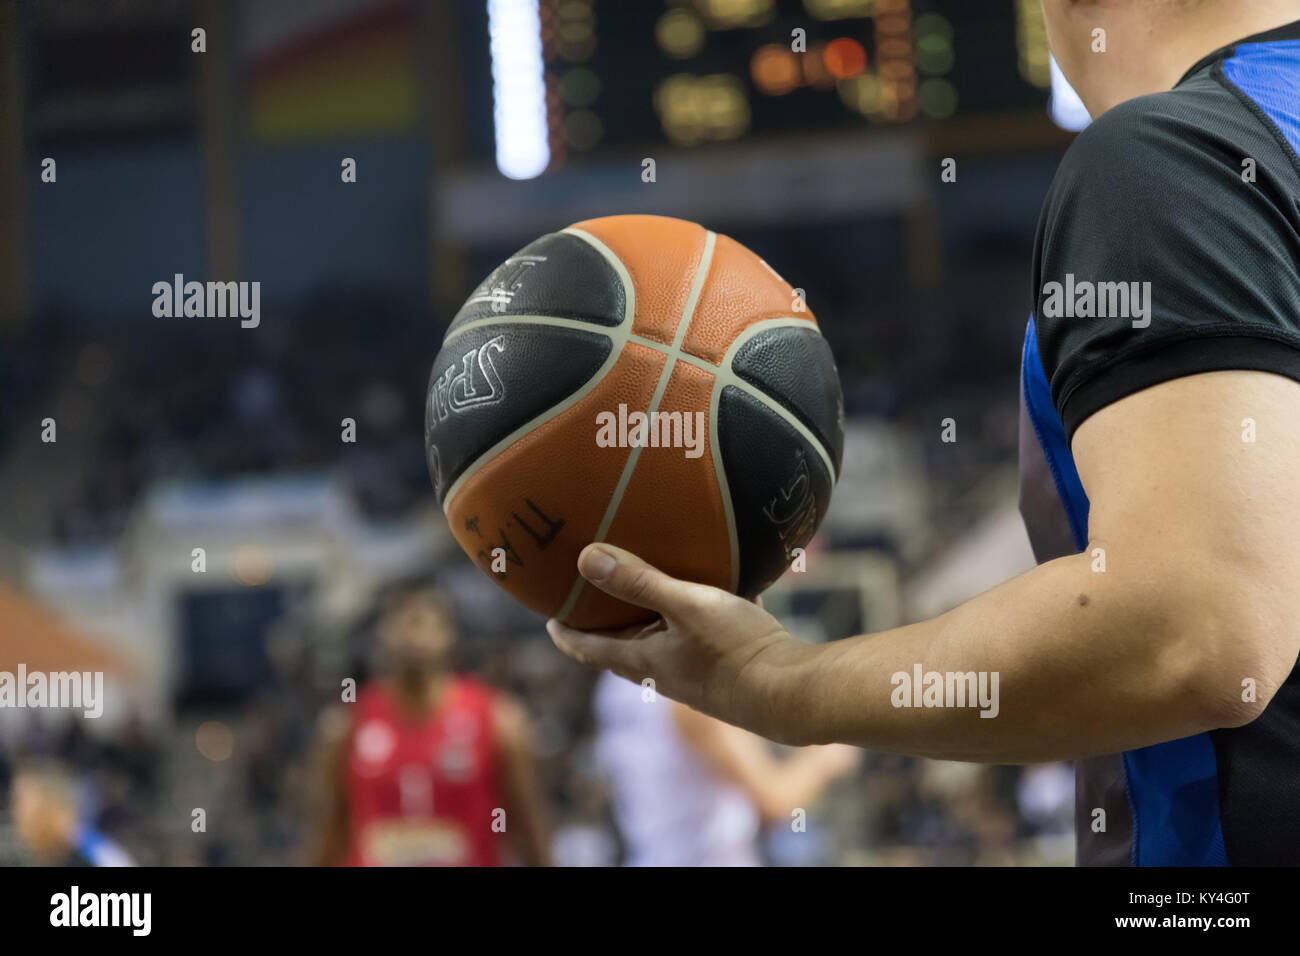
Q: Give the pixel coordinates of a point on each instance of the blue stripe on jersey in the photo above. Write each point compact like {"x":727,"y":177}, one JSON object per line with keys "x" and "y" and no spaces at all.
{"x":1260,"y":70}
{"x":1051,"y":437}
{"x":1172,"y":788}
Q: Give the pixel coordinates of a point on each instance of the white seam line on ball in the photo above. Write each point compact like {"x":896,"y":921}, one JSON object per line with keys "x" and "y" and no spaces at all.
{"x":670,"y":363}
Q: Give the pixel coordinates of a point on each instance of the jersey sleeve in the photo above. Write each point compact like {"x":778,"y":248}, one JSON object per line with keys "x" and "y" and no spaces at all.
{"x":1157,"y":257}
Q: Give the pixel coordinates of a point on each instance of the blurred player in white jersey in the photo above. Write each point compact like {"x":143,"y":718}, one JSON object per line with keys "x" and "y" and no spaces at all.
{"x":689,"y":790}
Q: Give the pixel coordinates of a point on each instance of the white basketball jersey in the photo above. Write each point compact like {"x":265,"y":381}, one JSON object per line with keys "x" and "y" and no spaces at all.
{"x":670,"y":806}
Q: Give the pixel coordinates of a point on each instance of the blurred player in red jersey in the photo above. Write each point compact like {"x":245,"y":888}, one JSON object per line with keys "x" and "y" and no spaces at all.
{"x":427,"y":768}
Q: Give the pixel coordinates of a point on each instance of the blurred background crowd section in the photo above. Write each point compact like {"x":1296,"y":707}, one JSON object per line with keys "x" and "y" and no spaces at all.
{"x":177,"y":434}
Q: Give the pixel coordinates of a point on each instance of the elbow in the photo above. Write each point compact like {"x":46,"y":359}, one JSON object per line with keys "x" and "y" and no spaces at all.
{"x":765,"y":811}
{"x":771,"y":809}
{"x":773,"y":799}
{"x":1227,"y":661}
{"x":1218,"y":702}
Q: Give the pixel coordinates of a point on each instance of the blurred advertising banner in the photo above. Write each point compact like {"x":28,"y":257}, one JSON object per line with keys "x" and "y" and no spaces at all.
{"x":335,"y":67}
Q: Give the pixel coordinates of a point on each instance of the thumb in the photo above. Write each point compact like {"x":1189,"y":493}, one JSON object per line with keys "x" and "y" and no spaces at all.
{"x":623,"y":575}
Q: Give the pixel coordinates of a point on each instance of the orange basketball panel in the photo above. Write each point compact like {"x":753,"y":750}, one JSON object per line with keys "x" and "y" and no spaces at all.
{"x":661,"y":256}
{"x":741,"y":289}
{"x":671,"y":513}
{"x":542,"y":499}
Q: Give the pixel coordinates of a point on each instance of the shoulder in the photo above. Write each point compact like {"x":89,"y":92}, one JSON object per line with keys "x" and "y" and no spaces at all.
{"x":1196,"y":142}
{"x":1173,"y":218}
{"x":1187,"y":189}
{"x":1149,"y":140}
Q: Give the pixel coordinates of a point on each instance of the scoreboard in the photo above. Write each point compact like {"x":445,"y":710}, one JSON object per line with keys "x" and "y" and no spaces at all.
{"x":621,"y":73}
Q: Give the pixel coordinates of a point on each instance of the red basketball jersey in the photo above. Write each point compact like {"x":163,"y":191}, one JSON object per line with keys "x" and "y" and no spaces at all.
{"x":422,"y":791}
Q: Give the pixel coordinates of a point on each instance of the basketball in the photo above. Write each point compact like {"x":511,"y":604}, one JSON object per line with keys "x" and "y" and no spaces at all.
{"x":641,"y":381}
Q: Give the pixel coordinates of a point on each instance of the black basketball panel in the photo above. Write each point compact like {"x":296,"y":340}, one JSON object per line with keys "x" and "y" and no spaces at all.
{"x":794,"y":365}
{"x":494,"y":379}
{"x":557,"y":275}
{"x":780,"y":486}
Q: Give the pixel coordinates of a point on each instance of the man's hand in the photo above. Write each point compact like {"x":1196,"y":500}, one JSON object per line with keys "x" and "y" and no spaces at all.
{"x":710,"y":650}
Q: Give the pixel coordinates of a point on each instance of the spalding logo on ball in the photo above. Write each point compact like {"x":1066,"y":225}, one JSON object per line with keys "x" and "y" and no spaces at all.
{"x":641,"y":381}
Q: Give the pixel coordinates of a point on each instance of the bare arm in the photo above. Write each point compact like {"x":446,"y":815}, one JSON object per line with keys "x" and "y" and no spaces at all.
{"x":525,"y":815}
{"x":330,"y":841}
{"x":775,"y":787}
{"x":1199,"y":531}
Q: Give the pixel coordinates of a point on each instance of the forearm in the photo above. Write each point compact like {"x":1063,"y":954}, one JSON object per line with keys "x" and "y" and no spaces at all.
{"x":526,"y":817}
{"x":329,"y":798}
{"x":329,"y":843}
{"x":330,"y":847}
{"x":529,"y":833}
{"x":795,"y":783}
{"x":1085,"y":663}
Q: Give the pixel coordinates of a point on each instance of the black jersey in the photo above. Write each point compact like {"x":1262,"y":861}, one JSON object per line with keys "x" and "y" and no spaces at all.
{"x":1169,"y":245}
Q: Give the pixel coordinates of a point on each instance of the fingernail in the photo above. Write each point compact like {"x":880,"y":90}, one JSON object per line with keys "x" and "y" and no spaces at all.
{"x":596,"y":564}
